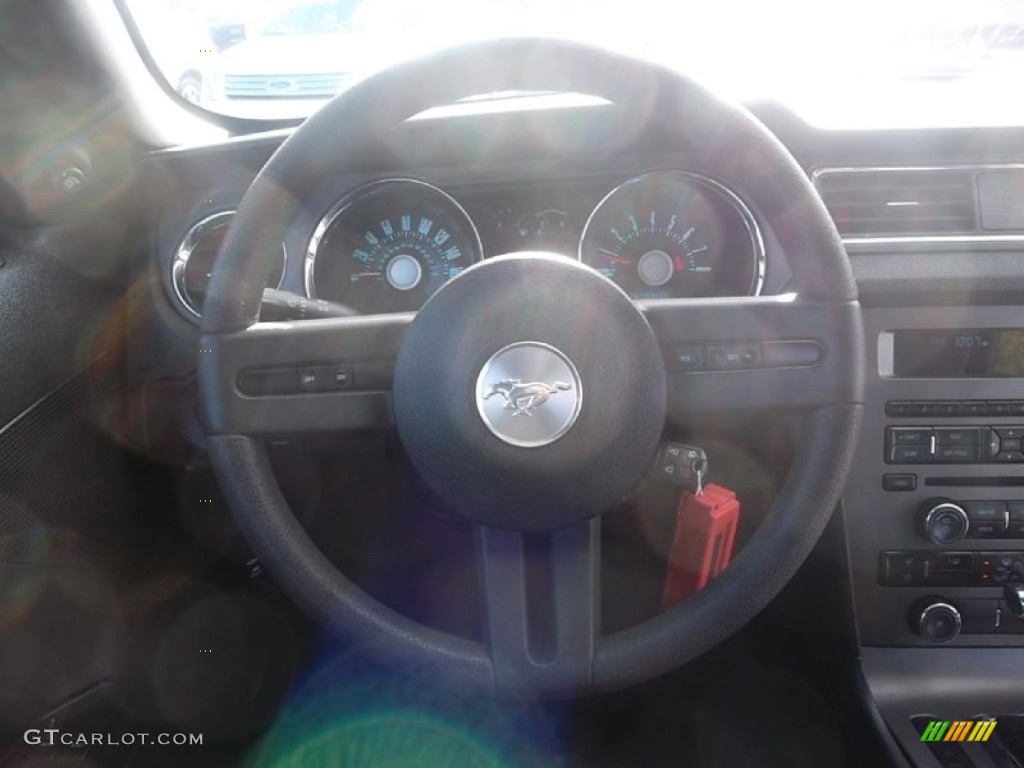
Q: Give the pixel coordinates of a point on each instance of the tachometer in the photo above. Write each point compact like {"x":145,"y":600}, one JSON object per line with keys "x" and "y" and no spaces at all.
{"x":672,"y":234}
{"x":388,"y":246}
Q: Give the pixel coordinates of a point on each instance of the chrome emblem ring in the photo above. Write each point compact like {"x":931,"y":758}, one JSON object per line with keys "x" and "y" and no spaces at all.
{"x":529,"y":394}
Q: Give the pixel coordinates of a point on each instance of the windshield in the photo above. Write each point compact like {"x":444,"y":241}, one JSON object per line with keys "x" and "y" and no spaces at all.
{"x":868,"y":63}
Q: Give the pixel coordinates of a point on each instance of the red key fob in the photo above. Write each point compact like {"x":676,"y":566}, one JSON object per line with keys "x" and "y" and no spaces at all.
{"x":702,"y":545}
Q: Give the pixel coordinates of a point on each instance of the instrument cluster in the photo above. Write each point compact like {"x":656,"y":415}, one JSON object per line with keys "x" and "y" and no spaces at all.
{"x":388,"y":245}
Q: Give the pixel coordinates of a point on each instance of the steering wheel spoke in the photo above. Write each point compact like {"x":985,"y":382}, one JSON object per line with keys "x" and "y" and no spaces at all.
{"x":757,"y":353}
{"x":541,"y":594}
{"x":301,"y":376}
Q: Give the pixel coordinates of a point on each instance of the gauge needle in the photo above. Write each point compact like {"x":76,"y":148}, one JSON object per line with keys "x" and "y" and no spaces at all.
{"x":679,"y":264}
{"x":614,"y":257}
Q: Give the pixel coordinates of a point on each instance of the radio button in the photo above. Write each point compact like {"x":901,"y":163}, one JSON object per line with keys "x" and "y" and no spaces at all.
{"x":957,"y":435}
{"x":1009,"y":433}
{"x":892,"y":482}
{"x":988,"y":519}
{"x":986,"y":510}
{"x":910,"y":435}
{"x":987,"y":531}
{"x":1009,"y":457}
{"x":999,"y":408}
{"x":899,"y":408}
{"x":1009,"y":445}
{"x":956,"y":454}
{"x":911,"y":454}
{"x":1015,"y":529}
{"x":1017,"y":408}
{"x":923,"y":408}
{"x":975,"y":408}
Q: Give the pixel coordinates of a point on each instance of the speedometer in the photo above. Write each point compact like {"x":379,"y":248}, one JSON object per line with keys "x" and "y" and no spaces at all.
{"x":674,"y":234}
{"x":388,"y":246}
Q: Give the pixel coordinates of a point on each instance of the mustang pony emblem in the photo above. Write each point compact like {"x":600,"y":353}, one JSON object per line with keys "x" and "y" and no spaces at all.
{"x":523,"y":399}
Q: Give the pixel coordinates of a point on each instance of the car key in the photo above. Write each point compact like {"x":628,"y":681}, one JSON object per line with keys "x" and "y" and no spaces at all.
{"x":682,"y":465}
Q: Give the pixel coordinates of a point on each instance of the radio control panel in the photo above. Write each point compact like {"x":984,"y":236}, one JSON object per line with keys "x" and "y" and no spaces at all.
{"x":934,"y":504}
{"x":954,"y":444}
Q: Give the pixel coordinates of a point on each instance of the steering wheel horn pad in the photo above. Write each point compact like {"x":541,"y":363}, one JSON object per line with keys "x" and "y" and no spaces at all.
{"x":554,"y":307}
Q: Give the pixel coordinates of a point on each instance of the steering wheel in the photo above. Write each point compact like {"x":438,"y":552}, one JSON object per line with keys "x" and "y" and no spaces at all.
{"x":535,"y":495}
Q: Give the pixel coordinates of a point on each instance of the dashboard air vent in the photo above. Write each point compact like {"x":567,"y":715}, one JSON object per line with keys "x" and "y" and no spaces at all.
{"x":870,"y":203}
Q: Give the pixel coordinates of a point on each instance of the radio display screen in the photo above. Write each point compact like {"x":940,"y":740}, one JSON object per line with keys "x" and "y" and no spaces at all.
{"x":966,"y":353}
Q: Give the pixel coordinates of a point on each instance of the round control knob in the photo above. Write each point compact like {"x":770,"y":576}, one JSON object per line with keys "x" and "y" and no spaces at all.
{"x":942,"y":522}
{"x":935,"y":620}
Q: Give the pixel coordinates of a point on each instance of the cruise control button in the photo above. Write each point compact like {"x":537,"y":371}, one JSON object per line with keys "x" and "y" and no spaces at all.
{"x":688,"y":358}
{"x":324,"y":378}
{"x":725,"y":357}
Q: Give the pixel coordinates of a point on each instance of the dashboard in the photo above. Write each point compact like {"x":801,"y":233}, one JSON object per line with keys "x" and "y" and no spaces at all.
{"x":933,"y":512}
{"x":386,"y":244}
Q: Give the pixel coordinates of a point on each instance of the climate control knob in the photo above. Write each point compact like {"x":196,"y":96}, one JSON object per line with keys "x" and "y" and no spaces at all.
{"x":936,"y":620}
{"x":942,"y":521}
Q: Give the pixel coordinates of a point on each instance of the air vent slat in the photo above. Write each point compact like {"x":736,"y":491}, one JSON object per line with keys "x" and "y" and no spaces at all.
{"x":881,"y":202}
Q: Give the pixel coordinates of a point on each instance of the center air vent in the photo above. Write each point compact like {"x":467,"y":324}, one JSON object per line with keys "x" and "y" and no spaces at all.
{"x":900,"y":203}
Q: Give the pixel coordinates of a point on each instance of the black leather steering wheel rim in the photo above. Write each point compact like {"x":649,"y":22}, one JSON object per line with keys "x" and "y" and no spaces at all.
{"x":331,"y":140}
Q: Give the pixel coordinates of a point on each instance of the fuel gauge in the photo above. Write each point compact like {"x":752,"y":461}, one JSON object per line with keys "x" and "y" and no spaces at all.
{"x":553,"y":231}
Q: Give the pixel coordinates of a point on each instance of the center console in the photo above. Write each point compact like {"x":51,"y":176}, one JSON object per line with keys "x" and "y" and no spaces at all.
{"x":935,"y":503}
{"x":934,"y":516}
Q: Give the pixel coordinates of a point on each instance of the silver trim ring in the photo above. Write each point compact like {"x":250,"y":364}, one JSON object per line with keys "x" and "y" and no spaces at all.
{"x":737,"y":202}
{"x":529,"y":394}
{"x":948,"y":505}
{"x":358,"y":195}
{"x":187,"y":246}
{"x":957,"y":619}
